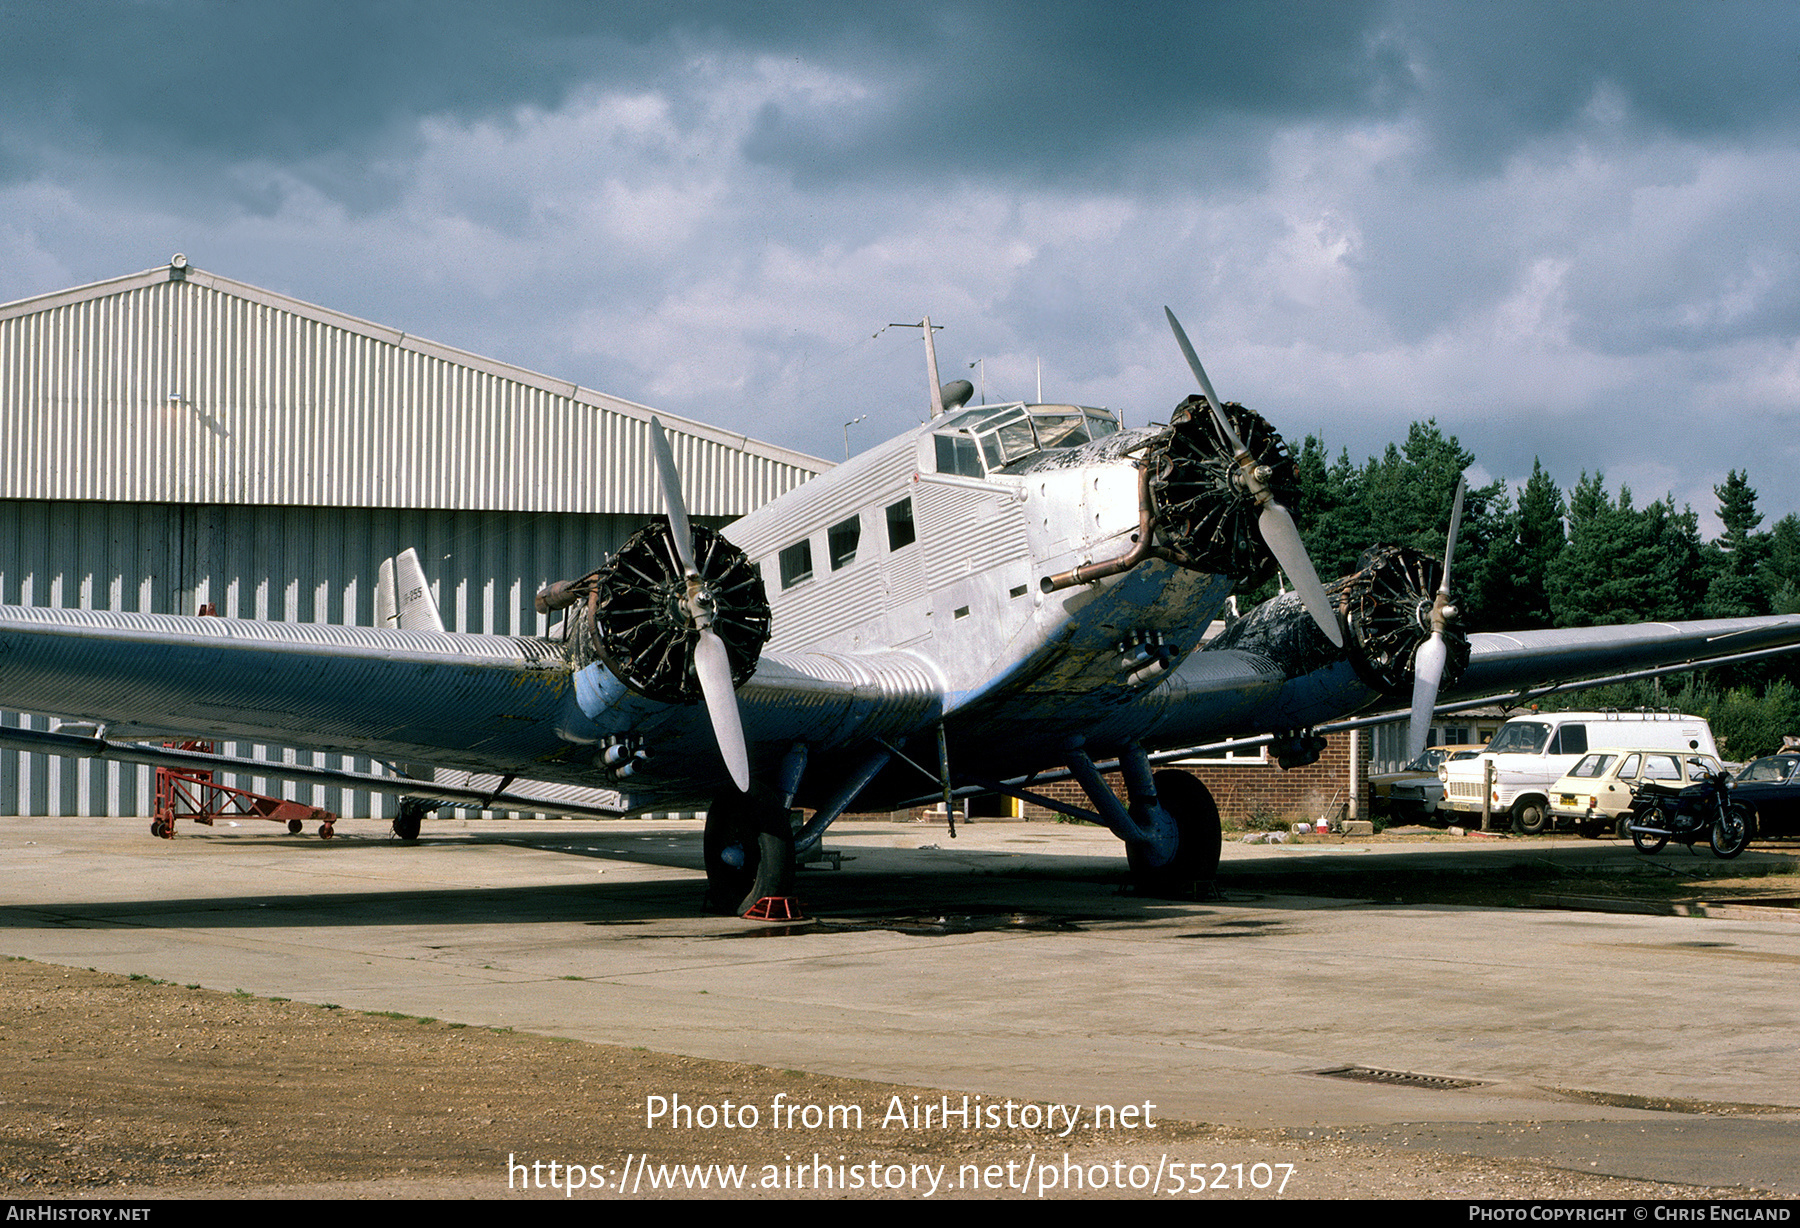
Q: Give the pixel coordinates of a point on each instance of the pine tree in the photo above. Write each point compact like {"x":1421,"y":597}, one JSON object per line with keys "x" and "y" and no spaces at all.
{"x":1735,"y":561}
{"x":1517,"y":594}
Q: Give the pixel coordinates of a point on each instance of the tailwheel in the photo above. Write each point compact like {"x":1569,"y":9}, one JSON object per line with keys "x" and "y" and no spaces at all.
{"x":411,"y":817}
{"x":1195,"y":859}
{"x":749,"y":852}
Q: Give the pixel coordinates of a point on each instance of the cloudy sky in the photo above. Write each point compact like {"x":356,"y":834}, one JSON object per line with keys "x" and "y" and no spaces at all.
{"x":1564,"y":231}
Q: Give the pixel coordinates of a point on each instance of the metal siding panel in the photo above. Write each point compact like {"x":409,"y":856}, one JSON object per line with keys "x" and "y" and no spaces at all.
{"x":151,"y":557}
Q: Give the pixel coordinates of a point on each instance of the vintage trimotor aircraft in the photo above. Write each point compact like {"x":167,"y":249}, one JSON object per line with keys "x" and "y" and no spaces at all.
{"x":1004,"y":591}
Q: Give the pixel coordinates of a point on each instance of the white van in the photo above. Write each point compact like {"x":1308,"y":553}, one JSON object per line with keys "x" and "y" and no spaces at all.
{"x":1529,"y":753}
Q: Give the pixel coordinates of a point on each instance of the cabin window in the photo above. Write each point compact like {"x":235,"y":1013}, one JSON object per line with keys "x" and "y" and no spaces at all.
{"x":841,"y":539}
{"x":1570,"y":740}
{"x":796,"y":564}
{"x":956,"y":454}
{"x":900,"y":524}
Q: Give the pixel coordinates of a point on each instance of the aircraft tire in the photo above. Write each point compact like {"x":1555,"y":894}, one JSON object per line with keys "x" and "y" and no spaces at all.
{"x":1199,"y":835}
{"x":748,"y":848}
{"x":411,"y":817}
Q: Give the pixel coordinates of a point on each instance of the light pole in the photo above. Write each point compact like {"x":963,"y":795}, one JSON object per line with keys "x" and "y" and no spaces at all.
{"x":847,"y":427}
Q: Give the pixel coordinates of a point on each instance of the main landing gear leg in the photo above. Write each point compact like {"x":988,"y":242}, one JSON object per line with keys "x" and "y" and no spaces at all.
{"x":749,"y":849}
{"x":1171,"y":828}
{"x":1192,"y":869}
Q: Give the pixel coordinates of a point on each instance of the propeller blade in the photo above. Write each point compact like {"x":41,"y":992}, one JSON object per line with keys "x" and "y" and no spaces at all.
{"x":1275,"y":522}
{"x":1283,"y":539}
{"x":1429,"y":660}
{"x":671,"y":488}
{"x":1428,"y":671}
{"x":1450,"y":542}
{"x":714,"y":671}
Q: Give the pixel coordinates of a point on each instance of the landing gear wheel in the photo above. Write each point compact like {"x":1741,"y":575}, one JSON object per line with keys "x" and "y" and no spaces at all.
{"x":1196,"y":858}
{"x":1648,"y":842}
{"x":1730,"y":833}
{"x":1532,"y":817}
{"x":749,"y":850}
{"x":412,"y":815}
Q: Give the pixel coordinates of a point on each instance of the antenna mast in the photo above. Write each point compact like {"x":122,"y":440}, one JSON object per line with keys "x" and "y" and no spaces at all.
{"x":931,"y":367}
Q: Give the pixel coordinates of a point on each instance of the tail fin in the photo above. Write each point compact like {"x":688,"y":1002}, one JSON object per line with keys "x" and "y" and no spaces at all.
{"x":403,"y":599}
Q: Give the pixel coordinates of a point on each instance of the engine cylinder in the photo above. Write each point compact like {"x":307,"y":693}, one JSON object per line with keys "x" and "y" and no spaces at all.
{"x":1206,"y":518}
{"x":641,"y":626}
{"x":1387,"y":602}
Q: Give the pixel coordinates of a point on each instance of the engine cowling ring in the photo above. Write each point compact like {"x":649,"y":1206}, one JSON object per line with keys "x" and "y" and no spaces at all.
{"x":640,"y":626}
{"x":1387,"y":602}
{"x":1206,"y":519}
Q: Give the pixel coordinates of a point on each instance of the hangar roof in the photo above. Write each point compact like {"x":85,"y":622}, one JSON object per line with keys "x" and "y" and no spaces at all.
{"x":176,"y":385}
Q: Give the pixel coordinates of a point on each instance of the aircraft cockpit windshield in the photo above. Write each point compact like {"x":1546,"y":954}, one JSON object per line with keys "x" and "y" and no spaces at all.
{"x":1000,"y":435}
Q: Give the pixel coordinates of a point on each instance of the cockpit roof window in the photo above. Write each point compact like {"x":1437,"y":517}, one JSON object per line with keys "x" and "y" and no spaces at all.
{"x":1009,"y":433}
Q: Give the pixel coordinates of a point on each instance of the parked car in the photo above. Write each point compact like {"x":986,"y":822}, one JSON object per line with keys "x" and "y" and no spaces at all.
{"x":1414,"y":791}
{"x":1770,"y":787}
{"x":1531,"y":752}
{"x":1595,"y":796}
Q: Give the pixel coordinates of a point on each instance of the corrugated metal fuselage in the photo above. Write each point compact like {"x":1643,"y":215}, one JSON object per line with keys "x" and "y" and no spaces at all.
{"x":913,"y":596}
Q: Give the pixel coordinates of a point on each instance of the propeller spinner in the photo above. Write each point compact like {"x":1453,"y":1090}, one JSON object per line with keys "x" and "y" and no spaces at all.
{"x":1274,"y":521}
{"x":712,"y":667}
{"x":1428,"y":664}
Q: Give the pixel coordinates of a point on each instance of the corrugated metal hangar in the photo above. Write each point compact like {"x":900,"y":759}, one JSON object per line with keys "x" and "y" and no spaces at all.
{"x":176,"y":439}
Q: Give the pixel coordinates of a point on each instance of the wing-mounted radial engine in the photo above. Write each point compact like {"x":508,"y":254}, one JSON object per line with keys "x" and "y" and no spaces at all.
{"x":640,"y":624}
{"x":1387,"y":603}
{"x":630,"y":613}
{"x":679,"y":614}
{"x":1206,"y":517}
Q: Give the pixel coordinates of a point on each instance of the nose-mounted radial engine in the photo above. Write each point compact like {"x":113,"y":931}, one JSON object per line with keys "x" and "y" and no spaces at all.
{"x":1207,"y":478}
{"x":1205,"y":518}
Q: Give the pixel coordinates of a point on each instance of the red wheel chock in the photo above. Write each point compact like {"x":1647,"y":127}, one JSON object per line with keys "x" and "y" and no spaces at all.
{"x":776,"y":908}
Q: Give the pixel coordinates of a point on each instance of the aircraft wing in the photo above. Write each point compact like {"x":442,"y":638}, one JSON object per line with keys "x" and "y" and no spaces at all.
{"x":478,"y":702}
{"x":1514,"y":660}
{"x":491,"y":714}
{"x":1258,"y":685}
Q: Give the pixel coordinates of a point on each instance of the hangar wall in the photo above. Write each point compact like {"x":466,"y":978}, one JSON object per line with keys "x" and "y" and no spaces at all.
{"x":177,"y":438}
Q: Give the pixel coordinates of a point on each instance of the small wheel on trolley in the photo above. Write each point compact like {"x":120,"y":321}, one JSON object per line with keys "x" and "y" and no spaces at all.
{"x":326,"y":831}
{"x":295,"y":827}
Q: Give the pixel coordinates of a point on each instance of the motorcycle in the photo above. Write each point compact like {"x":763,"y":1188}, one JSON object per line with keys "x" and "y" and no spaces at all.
{"x":1702,"y":810}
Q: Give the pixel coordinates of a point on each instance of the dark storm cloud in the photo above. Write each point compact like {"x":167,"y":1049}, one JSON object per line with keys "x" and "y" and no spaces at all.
{"x":1502,"y":75}
{"x":1056,"y":90}
{"x":284,"y":80}
{"x":1041,"y":90}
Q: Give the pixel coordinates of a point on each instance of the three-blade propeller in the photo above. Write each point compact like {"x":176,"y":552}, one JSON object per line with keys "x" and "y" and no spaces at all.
{"x":711,"y":664}
{"x":1428,"y":661}
{"x":1274,"y":521}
